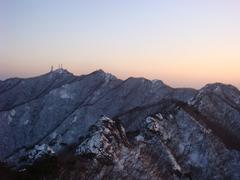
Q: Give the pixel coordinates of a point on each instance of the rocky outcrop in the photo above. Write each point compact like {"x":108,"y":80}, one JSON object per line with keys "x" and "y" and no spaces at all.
{"x":105,"y":138}
{"x":191,"y":146}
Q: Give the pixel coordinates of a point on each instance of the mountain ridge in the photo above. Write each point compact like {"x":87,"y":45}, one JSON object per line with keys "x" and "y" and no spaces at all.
{"x":44,"y":115}
{"x":104,"y":72}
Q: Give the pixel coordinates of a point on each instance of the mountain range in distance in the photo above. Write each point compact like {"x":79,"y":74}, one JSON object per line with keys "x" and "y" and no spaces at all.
{"x":96,"y":126}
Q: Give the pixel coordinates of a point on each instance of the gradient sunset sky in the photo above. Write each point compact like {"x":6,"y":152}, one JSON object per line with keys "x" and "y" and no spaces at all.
{"x":182,"y":42}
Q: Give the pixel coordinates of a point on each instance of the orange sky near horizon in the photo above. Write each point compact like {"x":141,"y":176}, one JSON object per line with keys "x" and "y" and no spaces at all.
{"x":184,"y":44}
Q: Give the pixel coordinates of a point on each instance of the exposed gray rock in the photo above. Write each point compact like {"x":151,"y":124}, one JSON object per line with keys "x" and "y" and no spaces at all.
{"x":105,"y":139}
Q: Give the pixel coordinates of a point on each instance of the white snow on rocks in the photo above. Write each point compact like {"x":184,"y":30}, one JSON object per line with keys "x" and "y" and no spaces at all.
{"x":139,"y":138}
{"x":108,"y":77}
{"x":152,"y":124}
{"x":74,"y":119}
{"x":39,"y":151}
{"x":13,"y":112}
{"x":26,"y":122}
{"x":10,"y":119}
{"x":64,"y":94}
{"x":105,"y":138}
{"x":159,"y":115}
{"x":11,"y":115}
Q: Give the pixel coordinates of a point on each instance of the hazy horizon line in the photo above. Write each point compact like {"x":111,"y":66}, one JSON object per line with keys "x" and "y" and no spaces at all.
{"x":29,"y":76}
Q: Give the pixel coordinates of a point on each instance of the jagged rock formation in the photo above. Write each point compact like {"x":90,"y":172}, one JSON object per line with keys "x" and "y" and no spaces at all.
{"x":147,"y":129}
{"x":105,"y":138}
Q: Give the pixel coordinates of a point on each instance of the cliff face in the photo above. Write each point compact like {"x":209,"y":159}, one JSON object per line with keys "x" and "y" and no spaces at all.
{"x":61,"y":126}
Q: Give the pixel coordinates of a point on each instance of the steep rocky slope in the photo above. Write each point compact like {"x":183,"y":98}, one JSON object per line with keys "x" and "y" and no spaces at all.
{"x":221,"y":103}
{"x":96,"y":126}
{"x":60,"y":107}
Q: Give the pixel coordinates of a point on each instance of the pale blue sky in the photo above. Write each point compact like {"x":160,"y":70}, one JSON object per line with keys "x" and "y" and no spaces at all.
{"x":182,"y":42}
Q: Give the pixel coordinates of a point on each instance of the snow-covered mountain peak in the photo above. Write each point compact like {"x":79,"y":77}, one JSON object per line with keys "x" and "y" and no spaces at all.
{"x":148,"y":130}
